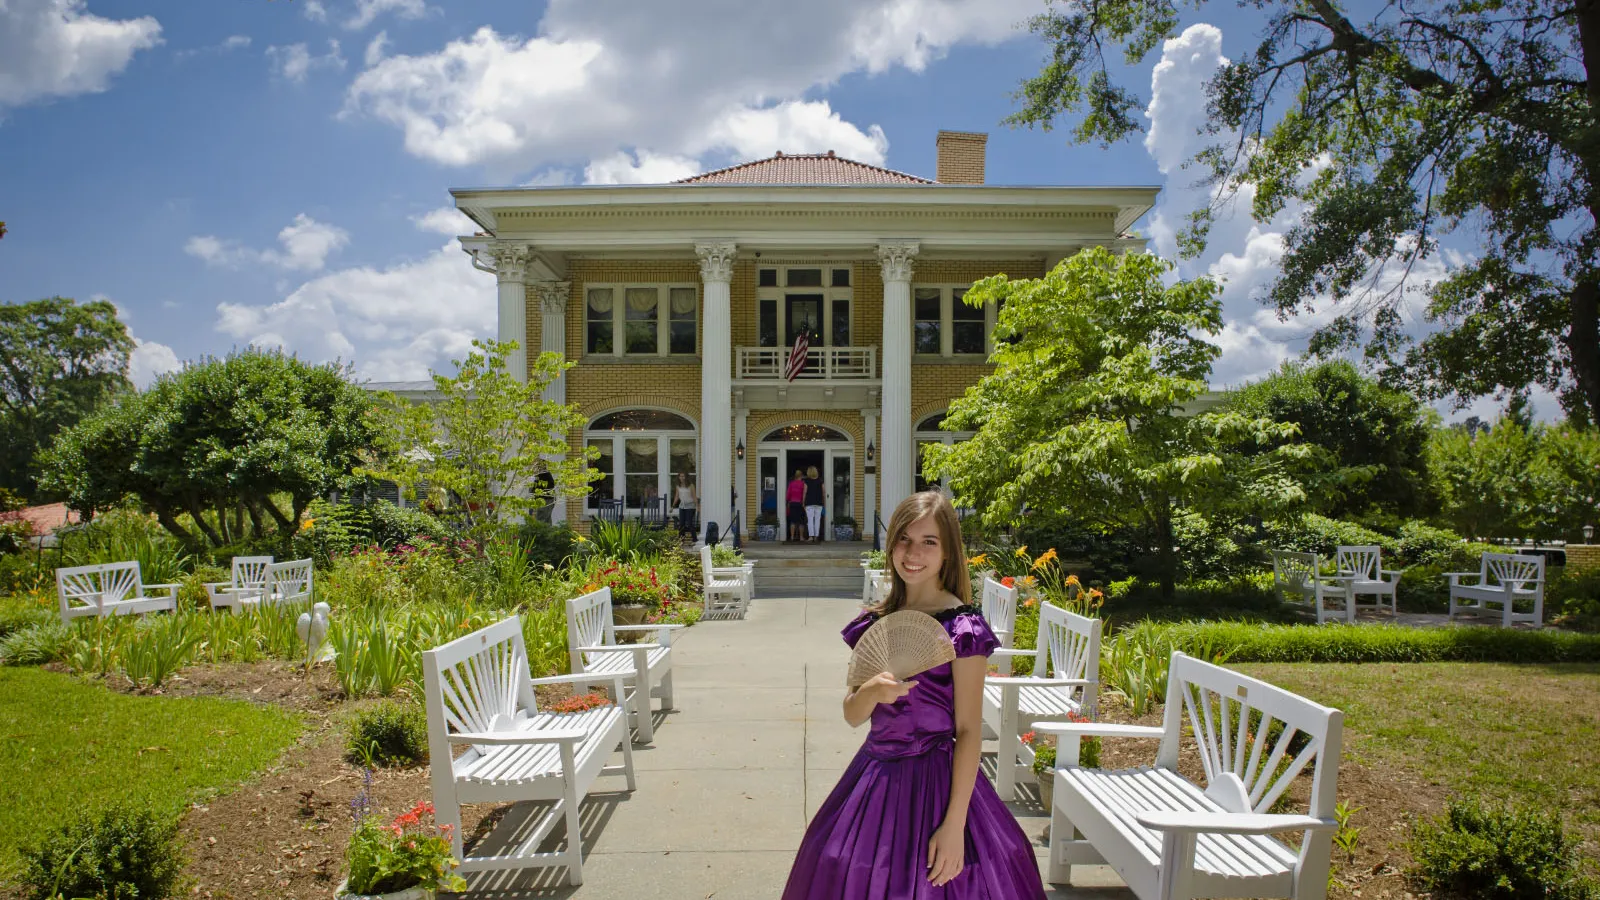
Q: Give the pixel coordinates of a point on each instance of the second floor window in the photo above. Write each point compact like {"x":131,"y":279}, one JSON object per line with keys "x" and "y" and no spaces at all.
{"x":641,"y":319}
{"x":943,"y":325}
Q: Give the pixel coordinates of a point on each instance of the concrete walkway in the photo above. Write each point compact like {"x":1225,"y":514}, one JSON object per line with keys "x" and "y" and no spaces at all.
{"x":736,"y":771}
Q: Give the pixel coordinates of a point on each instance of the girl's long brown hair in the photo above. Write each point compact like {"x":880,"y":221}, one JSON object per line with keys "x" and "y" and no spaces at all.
{"x":952,"y":568}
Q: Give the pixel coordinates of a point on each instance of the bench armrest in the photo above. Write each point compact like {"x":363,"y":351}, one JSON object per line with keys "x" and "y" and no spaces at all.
{"x":731,"y":571}
{"x":618,"y":648}
{"x":577,"y":679}
{"x":671,"y":627}
{"x":1034,"y":681}
{"x":1395,"y":572}
{"x":1097,"y":729}
{"x":551,"y":736}
{"x":1008,"y":653}
{"x":1231,"y":823}
{"x":165,"y":587}
{"x":1455,"y":578}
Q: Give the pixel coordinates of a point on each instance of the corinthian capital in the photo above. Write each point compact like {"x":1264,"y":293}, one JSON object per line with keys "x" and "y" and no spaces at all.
{"x":716,"y":260}
{"x":552,"y":294}
{"x":895,"y":257}
{"x":510,"y":260}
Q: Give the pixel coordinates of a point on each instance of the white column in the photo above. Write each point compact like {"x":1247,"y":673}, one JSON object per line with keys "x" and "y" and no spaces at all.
{"x":716,"y":396}
{"x":510,"y":265}
{"x":896,"y":466}
{"x":552,"y":296}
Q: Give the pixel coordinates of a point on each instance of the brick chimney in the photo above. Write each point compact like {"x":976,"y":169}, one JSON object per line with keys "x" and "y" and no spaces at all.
{"x":960,"y":157}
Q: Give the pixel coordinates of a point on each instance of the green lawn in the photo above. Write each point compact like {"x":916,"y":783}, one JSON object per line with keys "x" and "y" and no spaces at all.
{"x":68,"y":745}
{"x":1508,"y":732}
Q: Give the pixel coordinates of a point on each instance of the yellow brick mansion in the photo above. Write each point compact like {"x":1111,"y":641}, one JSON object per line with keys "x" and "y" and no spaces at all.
{"x":679,"y":304}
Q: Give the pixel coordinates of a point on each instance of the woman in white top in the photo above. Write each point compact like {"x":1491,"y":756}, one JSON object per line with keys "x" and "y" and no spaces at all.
{"x":684,"y":499}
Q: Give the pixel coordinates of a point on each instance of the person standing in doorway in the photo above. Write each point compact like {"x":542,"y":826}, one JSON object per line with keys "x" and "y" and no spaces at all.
{"x":814,"y":501}
{"x":685,"y":500}
{"x":796,"y":498}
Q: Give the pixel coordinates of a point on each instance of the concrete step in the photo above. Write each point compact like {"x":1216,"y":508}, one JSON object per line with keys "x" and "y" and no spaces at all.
{"x":791,"y":575}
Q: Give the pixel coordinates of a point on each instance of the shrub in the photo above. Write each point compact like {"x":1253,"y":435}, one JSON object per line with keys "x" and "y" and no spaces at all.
{"x":1320,"y":534}
{"x":19,"y":617}
{"x":546,"y":543}
{"x":1475,"y":852}
{"x":388,"y":734}
{"x":1574,"y":598}
{"x":120,"y":852}
{"x":1251,"y":642}
{"x":1421,"y":544}
{"x":158,"y":647}
{"x":192,"y":587}
{"x":35,"y":645}
{"x":23,"y":572}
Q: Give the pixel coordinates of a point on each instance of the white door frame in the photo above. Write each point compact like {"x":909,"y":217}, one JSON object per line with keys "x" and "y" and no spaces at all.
{"x":829,"y":450}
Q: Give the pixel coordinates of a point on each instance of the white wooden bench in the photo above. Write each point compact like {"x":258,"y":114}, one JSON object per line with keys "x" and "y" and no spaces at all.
{"x":249,"y":580}
{"x":1065,"y":682}
{"x":479,"y":693}
{"x":875,"y":586}
{"x":1298,"y":578}
{"x":1000,"y":610}
{"x":110,"y":589}
{"x":646,"y":669}
{"x":1503,"y":580}
{"x":728,"y":589}
{"x":1364,"y":563}
{"x":1170,"y":838}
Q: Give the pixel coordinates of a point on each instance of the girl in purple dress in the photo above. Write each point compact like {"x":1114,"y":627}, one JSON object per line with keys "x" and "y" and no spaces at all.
{"x":910,"y":819}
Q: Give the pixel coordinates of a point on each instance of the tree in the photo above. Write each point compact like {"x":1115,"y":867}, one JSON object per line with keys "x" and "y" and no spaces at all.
{"x":486,"y":439}
{"x":1083,"y":410}
{"x":59,"y":361}
{"x":1490,"y":482}
{"x":220,"y":442}
{"x":1423,"y":118}
{"x":1569,"y":463}
{"x":1377,"y":434}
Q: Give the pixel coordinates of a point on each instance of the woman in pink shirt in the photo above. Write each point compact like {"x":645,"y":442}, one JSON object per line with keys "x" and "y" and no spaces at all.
{"x":797,"y":510}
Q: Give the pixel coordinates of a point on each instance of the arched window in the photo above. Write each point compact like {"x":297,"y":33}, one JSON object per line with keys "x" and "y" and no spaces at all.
{"x":641,"y":453}
{"x":807,"y":433}
{"x":931,"y":431}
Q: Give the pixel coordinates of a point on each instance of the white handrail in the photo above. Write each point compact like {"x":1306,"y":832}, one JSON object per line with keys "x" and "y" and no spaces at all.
{"x":822,"y":363}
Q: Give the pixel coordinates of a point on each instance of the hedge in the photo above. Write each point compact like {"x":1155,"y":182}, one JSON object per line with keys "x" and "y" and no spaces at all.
{"x":1250,"y":642}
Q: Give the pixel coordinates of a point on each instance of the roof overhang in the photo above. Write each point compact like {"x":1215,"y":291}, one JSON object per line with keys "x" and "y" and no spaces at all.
{"x":672,"y":218}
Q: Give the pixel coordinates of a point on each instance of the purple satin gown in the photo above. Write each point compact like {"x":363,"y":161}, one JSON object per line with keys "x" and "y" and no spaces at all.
{"x":869,"y":841}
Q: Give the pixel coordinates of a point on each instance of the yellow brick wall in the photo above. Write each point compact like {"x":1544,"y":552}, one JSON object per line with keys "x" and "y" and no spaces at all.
{"x":960,"y":157}
{"x":603,"y":384}
{"x":1583,"y":557}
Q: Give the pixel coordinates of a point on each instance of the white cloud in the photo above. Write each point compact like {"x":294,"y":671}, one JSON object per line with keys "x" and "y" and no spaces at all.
{"x":377,"y":49}
{"x":149,"y":361}
{"x":445,"y":220}
{"x":603,"y":76}
{"x":369,"y":10}
{"x":236,"y":42}
{"x":623,"y":167}
{"x":295,"y":62}
{"x":306,"y":243}
{"x":314,"y":10}
{"x":57,"y":48}
{"x":395,"y":323}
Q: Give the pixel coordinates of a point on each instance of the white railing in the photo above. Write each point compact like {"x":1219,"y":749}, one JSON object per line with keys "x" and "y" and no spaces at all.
{"x":822,"y":363}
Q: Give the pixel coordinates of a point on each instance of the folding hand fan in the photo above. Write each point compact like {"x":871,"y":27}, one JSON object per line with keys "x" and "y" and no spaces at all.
{"x":903,"y":643}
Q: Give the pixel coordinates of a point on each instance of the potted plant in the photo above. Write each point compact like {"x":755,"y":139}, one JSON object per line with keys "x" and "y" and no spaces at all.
{"x":767,"y":526}
{"x":844,"y":528}
{"x":406,"y":859}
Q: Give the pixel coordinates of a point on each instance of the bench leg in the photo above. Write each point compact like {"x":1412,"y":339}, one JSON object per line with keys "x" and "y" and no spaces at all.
{"x":627,"y":754}
{"x":1005,"y":773}
{"x":1177,"y":864}
{"x":574,"y":852}
{"x":666,"y":691}
{"x":641,"y":708}
{"x":1061,"y":833}
{"x":447,"y":814}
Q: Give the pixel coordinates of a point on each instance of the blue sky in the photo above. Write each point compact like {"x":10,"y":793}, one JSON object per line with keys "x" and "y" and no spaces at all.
{"x":277,"y":171}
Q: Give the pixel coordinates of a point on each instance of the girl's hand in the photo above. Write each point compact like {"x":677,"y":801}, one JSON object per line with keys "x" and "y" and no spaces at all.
{"x":946,"y":853}
{"x":885,"y":688}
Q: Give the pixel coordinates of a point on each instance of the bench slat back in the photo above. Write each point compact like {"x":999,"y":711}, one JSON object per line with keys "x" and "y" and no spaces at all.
{"x":589,"y":623}
{"x":705,"y":564}
{"x":1070,"y":645}
{"x":1504,"y":568}
{"x":999,"y":605}
{"x":290,"y":579}
{"x":250,"y":571}
{"x":474,"y":679}
{"x":1251,"y":734}
{"x":1362,"y":561}
{"x":114,"y":582}
{"x":1296,"y":570}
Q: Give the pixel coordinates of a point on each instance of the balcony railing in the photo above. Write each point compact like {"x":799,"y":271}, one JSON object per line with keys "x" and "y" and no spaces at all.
{"x":822,"y":364}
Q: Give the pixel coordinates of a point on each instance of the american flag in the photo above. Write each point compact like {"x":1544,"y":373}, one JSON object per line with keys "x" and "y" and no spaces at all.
{"x":797,"y":356}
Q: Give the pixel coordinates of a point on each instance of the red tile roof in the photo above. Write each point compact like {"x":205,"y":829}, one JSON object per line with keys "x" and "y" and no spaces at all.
{"x":44,"y":519}
{"x":804,"y":168}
